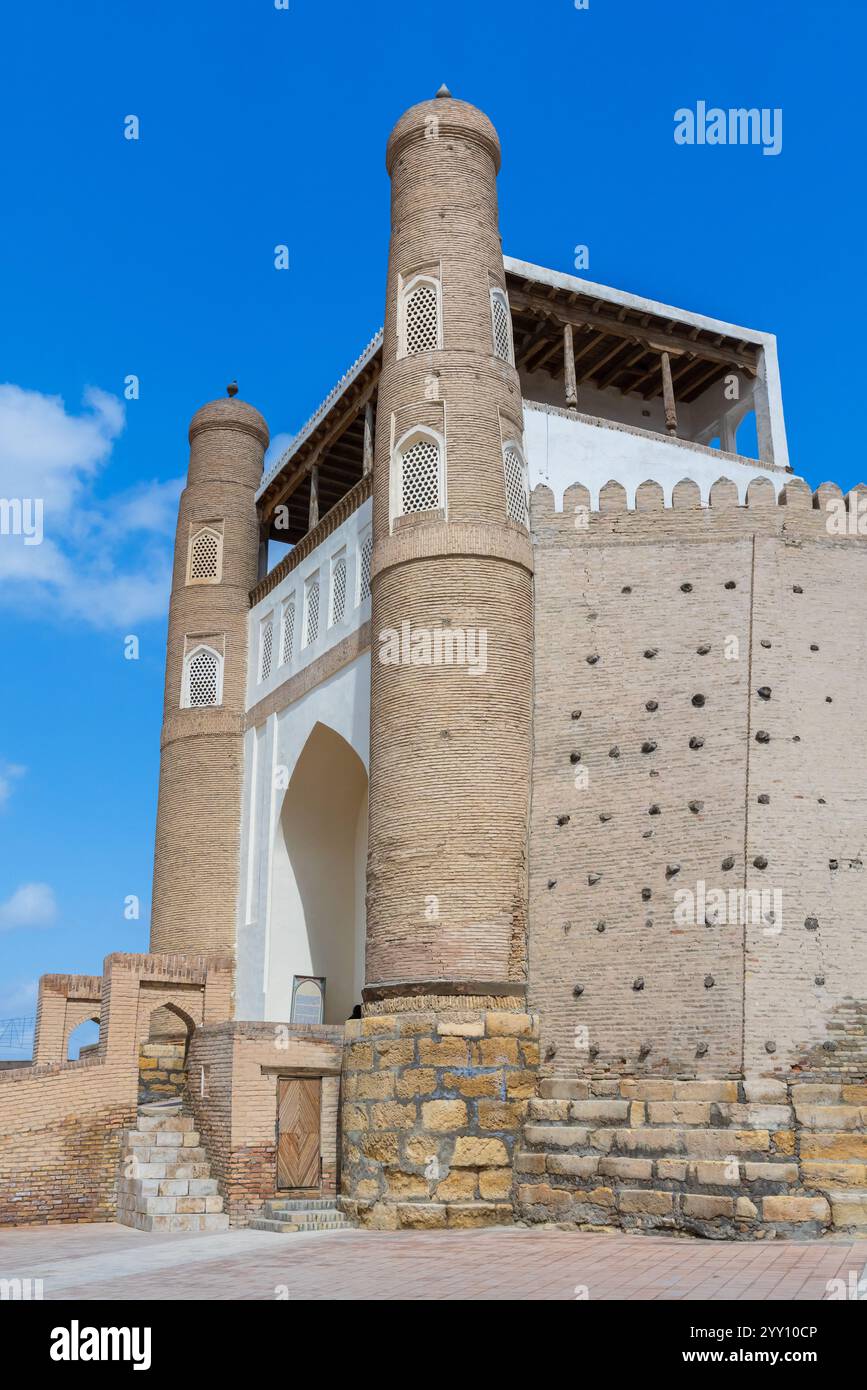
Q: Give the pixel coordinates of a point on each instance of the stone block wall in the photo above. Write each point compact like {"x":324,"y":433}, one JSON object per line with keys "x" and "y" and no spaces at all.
{"x":433,"y":1104}
{"x":716,"y":1158}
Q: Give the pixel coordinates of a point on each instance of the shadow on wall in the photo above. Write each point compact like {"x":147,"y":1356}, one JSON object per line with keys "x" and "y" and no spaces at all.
{"x":323,"y":825}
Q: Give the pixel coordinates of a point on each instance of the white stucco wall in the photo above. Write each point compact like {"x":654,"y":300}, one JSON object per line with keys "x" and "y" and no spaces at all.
{"x":272,"y":943}
{"x":562,"y":450}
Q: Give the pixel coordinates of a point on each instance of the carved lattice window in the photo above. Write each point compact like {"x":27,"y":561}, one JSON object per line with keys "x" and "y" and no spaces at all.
{"x":311,"y":626}
{"x":420,"y":477}
{"x":288,"y":631}
{"x":421,"y":329}
{"x":502,"y":325}
{"x":516,"y":485}
{"x":203,"y":678}
{"x":266,"y":649}
{"x":205,"y":557}
{"x":365,"y":561}
{"x":338,"y":589}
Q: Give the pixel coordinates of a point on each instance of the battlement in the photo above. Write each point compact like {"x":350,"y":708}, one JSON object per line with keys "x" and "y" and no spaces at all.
{"x":796,"y":511}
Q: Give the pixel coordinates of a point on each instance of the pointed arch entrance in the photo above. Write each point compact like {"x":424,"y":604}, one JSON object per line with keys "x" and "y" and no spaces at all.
{"x":317,"y":911}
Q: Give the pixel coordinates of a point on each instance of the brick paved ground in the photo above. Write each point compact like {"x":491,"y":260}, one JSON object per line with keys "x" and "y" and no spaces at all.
{"x":115,"y":1262}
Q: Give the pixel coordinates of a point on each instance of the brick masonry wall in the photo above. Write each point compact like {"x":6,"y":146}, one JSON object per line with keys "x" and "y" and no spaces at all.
{"x":61,"y":1122}
{"x":432,"y":1108}
{"x":201,"y":765}
{"x":449,"y":750}
{"x":742,"y":773}
{"x":237,"y":1114}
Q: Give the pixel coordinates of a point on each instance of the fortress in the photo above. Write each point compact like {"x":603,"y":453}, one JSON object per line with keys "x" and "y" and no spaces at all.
{"x":509,"y":851}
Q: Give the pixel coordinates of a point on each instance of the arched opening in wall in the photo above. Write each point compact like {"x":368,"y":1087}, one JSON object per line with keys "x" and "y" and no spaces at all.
{"x":162,"y":1063}
{"x":83,"y":1039}
{"x":320,"y":857}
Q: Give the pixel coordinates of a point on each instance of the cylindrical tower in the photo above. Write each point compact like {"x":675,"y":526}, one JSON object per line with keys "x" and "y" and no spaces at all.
{"x":452,"y":585}
{"x":199,"y":813}
{"x":438,"y":1068}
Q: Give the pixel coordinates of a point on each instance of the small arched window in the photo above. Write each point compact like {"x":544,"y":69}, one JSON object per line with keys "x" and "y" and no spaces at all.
{"x":420,"y":316}
{"x":517,"y":498}
{"x":338,"y":589}
{"x":288,"y":631}
{"x":365,"y":560}
{"x":205,"y":558}
{"x":311,"y":620}
{"x":266,"y":647}
{"x":418,"y":473}
{"x":203,"y":678}
{"x":501,"y":322}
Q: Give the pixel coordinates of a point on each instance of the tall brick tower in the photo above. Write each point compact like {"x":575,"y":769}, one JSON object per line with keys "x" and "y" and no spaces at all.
{"x":216,"y":554}
{"x":450,"y":740}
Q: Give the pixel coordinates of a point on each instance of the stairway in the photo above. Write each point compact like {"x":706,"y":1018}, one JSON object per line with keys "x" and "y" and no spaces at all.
{"x":713,"y":1158}
{"x":164,"y":1181}
{"x":289,"y":1214}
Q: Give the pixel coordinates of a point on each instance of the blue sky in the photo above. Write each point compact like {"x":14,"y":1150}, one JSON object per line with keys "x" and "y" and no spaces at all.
{"x":154,"y":257}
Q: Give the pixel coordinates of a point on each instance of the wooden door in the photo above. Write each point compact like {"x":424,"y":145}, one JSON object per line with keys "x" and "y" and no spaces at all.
{"x":298,"y":1100}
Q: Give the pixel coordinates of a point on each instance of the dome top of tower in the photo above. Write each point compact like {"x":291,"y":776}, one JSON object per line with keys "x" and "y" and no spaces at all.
{"x":443,"y":117}
{"x":230,"y":413}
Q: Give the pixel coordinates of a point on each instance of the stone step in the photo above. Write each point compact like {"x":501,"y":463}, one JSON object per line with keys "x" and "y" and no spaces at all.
{"x":186,"y":1153}
{"x":186,"y":1223}
{"x":303,"y":1203}
{"x":265,"y":1223}
{"x":163,"y":1123}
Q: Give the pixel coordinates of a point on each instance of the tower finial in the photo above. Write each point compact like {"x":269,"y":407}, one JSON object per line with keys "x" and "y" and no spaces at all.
{"x":444,"y":91}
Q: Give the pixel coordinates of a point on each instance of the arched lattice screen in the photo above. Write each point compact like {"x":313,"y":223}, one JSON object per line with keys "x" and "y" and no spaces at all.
{"x":311,"y":631}
{"x":419,"y":477}
{"x":502,"y":326}
{"x":205,"y":555}
{"x":203,"y":678}
{"x":422,"y":318}
{"x":338,"y":589}
{"x":267,"y":649}
{"x":365,"y":562}
{"x":516,"y":485}
{"x":288,"y":631}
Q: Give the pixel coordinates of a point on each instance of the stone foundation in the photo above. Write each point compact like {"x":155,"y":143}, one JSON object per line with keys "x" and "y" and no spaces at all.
{"x":721,"y":1159}
{"x":432,"y":1109}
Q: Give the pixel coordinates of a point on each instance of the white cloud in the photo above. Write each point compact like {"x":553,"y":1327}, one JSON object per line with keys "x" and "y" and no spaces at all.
{"x":106,"y":561}
{"x":8,"y":774}
{"x":31,"y":905}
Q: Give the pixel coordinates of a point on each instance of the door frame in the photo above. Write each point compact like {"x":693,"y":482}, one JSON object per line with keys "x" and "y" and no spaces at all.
{"x":315,"y":1191}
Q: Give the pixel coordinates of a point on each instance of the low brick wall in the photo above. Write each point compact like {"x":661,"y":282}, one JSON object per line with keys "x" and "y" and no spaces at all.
{"x":60,"y":1133}
{"x":433,"y":1105}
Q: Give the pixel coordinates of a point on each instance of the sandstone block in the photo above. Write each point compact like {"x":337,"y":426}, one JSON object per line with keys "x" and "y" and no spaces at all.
{"x":572,"y":1165}
{"x":495,"y":1183}
{"x":444,"y":1114}
{"x":796,"y":1209}
{"x":421,"y":1216}
{"x":663,"y":1112}
{"x":707,"y":1208}
{"x":475,"y":1152}
{"x":706,"y":1090}
{"x":640,"y":1201}
{"x":461,"y":1028}
{"x":507,"y":1024}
